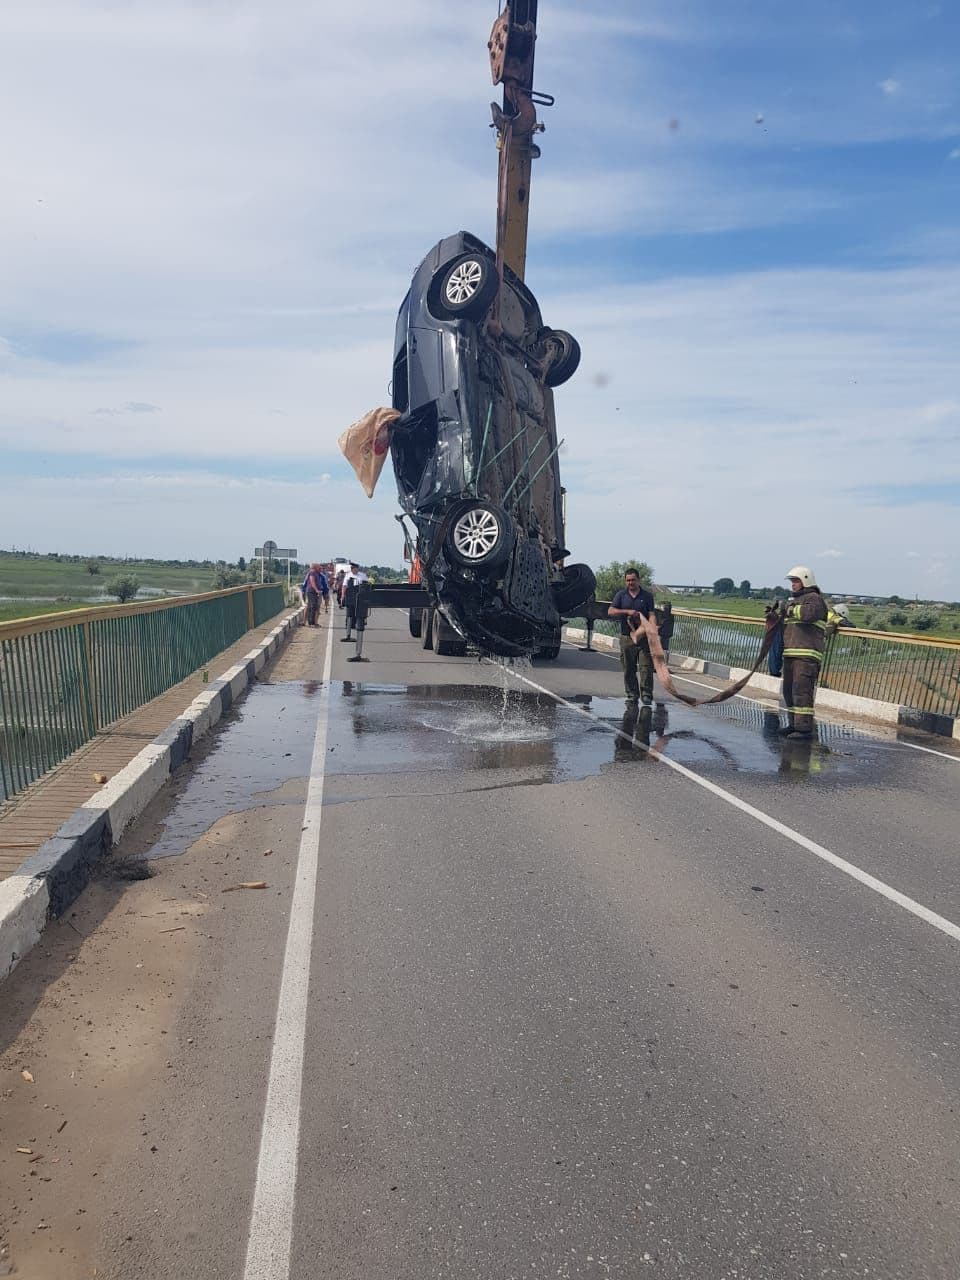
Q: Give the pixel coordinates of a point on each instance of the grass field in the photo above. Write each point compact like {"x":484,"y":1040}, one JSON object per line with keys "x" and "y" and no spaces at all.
{"x":47,"y":584}
{"x":707,"y":602}
{"x":35,"y":609}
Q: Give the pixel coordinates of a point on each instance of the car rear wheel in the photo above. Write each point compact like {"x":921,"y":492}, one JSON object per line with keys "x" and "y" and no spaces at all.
{"x":577,"y":587}
{"x":565,"y":350}
{"x":464,"y":288}
{"x":480,"y":536}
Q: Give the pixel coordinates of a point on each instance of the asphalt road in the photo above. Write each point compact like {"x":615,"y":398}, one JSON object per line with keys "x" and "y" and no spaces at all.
{"x":526,"y":998}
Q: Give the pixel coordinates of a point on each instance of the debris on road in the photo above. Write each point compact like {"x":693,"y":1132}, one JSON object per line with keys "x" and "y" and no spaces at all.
{"x":246,"y":884}
{"x":26,"y":1075}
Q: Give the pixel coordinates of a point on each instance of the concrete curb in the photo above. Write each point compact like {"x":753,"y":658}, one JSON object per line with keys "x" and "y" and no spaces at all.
{"x":832,"y":699}
{"x":49,"y":880}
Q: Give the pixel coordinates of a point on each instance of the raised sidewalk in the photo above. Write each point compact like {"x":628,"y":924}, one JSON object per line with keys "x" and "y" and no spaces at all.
{"x":53,"y":833}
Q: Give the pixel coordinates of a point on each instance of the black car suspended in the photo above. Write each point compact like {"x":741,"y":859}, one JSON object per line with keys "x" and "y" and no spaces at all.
{"x":475,"y":451}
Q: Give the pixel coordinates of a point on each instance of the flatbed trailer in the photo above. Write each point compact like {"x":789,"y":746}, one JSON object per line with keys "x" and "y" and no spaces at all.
{"x":409,"y":595}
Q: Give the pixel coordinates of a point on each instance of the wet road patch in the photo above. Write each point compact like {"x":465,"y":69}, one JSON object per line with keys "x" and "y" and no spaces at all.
{"x":483,"y":736}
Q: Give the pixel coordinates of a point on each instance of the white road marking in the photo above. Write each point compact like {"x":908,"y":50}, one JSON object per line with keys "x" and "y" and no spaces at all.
{"x":929,"y":750}
{"x":841,"y":864}
{"x":766,"y":702}
{"x":271,"y":1219}
{"x":894,"y":742}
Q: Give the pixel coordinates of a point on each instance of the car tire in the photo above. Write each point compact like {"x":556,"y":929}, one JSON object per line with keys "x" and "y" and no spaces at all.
{"x":578,"y":585}
{"x":464,"y":288}
{"x":426,"y":629}
{"x":480,"y":536}
{"x":446,"y":642}
{"x":416,"y":623}
{"x":566,"y":358}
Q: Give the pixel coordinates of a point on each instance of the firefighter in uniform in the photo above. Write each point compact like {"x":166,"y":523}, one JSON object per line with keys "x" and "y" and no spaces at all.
{"x":805,"y":627}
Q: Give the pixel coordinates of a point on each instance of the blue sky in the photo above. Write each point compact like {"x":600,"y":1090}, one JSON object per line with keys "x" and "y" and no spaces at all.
{"x":744,"y":211}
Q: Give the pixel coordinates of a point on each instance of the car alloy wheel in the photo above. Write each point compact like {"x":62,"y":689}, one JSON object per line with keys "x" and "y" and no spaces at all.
{"x":464,"y":288}
{"x":479,"y":536}
{"x":476,"y":534}
{"x":463,"y":282}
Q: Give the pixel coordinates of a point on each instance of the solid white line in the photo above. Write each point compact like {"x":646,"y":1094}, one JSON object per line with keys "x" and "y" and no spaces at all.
{"x":271,"y":1220}
{"x":929,"y":750}
{"x":856,"y":873}
{"x":766,"y":703}
{"x":893,"y":742}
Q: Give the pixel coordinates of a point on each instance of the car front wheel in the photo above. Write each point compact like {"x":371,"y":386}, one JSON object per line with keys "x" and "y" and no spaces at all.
{"x":464,"y":288}
{"x":480,"y":536}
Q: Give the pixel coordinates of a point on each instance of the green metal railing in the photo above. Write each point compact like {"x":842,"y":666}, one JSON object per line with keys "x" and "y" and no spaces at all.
{"x":910,"y":671}
{"x":64,"y":677}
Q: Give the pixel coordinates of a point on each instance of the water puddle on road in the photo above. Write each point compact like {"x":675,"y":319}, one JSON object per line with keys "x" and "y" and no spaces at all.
{"x":477,"y":737}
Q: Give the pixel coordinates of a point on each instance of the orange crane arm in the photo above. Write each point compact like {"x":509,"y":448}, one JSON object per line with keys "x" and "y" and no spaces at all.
{"x":512,"y":46}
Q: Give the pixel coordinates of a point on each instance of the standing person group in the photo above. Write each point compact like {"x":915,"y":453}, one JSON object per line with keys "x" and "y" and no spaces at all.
{"x":315,"y":588}
{"x":803,"y":622}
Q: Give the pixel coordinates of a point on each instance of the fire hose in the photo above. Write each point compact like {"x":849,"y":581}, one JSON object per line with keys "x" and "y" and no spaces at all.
{"x":647,"y":630}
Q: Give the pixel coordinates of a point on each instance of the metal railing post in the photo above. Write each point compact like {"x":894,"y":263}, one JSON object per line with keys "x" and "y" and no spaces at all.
{"x":91,"y":712}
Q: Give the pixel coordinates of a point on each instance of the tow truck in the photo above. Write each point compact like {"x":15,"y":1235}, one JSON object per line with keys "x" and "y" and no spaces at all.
{"x":475,"y":448}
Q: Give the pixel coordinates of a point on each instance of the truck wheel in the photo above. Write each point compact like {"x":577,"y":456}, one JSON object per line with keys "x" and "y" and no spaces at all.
{"x":566,"y":356}
{"x":480,"y":537}
{"x":550,"y":652}
{"x":416,"y":622}
{"x":464,"y":288}
{"x":426,"y":629}
{"x":577,"y":587}
{"x":446,"y":641}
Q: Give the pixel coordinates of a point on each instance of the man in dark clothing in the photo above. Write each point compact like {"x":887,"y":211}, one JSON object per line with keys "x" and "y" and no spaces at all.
{"x":804,"y":641}
{"x":627,"y":605}
{"x":312,"y":589}
{"x":324,"y":584}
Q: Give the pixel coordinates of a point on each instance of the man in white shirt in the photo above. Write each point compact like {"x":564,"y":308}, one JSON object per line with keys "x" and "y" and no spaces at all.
{"x":350,"y":584}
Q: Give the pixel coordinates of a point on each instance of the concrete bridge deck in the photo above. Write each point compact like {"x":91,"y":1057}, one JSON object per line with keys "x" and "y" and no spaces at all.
{"x":535,"y":987}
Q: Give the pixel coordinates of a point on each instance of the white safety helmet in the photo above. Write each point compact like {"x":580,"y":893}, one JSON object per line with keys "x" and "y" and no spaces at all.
{"x":804,"y":574}
{"x":843,"y":610}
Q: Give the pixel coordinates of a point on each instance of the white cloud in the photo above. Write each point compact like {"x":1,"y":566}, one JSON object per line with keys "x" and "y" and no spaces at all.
{"x":955,"y":154}
{"x":913,"y":555}
{"x":831,"y":554}
{"x":251,"y":234}
{"x":890,"y":87}
{"x":940,"y":412}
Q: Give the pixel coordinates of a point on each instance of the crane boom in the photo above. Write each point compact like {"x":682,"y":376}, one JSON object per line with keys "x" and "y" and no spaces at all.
{"x":512,"y":46}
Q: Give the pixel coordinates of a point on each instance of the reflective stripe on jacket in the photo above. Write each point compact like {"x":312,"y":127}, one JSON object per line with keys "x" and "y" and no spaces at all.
{"x":805,"y":625}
